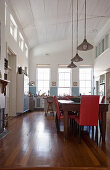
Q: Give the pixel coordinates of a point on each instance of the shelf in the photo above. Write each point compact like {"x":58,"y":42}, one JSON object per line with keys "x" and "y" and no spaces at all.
{"x":4,"y":84}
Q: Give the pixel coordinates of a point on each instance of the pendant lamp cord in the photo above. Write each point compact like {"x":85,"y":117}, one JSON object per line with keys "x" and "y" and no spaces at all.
{"x":77,"y":28}
{"x":85,"y":21}
{"x":72,"y":28}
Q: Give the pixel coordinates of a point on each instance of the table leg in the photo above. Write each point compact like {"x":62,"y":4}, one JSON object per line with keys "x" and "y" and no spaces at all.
{"x":65,"y":124}
{"x":103,"y":125}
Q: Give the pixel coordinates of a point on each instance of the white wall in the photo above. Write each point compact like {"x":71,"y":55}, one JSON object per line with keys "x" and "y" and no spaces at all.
{"x":11,"y":43}
{"x":3,"y":47}
{"x":58,"y":53}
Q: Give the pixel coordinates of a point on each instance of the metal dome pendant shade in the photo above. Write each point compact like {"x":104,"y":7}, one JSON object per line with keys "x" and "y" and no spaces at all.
{"x":72,"y":65}
{"x":85,"y":46}
{"x":77,"y":58}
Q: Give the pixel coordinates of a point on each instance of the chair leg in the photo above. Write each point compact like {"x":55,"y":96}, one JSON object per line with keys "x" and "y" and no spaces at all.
{"x":57,"y":123}
{"x":97,"y":135}
{"x":92,"y":132}
{"x":89,"y":130}
{"x":79,"y":134}
{"x":72,"y":122}
{"x":100,"y":126}
{"x":75,"y":128}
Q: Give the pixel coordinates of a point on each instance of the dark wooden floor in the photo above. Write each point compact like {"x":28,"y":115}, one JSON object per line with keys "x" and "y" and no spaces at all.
{"x":33,"y":142}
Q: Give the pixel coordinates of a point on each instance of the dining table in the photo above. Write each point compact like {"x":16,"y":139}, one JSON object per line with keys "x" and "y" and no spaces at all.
{"x":68,"y":105}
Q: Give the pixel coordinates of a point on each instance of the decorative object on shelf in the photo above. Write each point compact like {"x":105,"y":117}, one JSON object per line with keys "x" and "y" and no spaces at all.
{"x":32,"y":83}
{"x":5,"y":64}
{"x":53,"y":83}
{"x":20,"y":70}
{"x":4,"y":84}
{"x":77,"y":58}
{"x":72,"y":65}
{"x":85,"y":46}
{"x":75,"y":84}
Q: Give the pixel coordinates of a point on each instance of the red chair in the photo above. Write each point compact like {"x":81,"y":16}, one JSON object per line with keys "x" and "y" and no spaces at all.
{"x":89,"y":109}
{"x":59,"y":113}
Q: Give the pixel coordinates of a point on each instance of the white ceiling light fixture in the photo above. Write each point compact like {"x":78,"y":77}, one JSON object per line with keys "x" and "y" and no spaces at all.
{"x":77,"y":58}
{"x":85,"y":46}
{"x":72,"y":65}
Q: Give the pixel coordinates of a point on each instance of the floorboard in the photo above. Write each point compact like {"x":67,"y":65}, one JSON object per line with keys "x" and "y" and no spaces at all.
{"x":33,"y":141}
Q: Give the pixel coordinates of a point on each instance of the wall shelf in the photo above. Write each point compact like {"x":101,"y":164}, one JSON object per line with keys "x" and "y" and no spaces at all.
{"x":4,"y":84}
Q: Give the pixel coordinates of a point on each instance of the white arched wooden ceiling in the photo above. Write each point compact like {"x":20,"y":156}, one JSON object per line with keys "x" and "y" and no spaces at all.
{"x":46,"y":21}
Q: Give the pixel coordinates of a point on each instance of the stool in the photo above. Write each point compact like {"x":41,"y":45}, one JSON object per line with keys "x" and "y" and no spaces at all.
{"x":50,"y":101}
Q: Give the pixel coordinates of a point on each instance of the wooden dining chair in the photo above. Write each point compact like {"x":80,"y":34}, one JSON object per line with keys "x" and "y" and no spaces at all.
{"x":60,"y":114}
{"x":89,"y":109}
{"x":50,"y":101}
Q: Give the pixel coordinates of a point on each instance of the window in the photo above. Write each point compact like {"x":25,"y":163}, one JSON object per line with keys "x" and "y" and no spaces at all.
{"x":21,"y":41}
{"x":26,"y":50}
{"x":43,"y":80}
{"x":106,"y":42}
{"x":64,"y":79}
{"x":85,"y":81}
{"x":13,"y":27}
{"x":102,"y":45}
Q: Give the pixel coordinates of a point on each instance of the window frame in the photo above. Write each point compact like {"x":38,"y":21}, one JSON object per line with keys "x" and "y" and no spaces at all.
{"x":86,"y":80}
{"x":26,"y":50}
{"x":70,"y":79}
{"x":37,"y":91}
{"x":102,"y":45}
{"x":21,"y":41}
{"x":13,"y":27}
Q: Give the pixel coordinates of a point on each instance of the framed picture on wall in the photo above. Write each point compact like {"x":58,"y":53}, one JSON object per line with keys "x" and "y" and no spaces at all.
{"x":75,"y":84}
{"x":53,"y":83}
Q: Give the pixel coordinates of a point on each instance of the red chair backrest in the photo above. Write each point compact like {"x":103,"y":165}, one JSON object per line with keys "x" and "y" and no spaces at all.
{"x":57,"y":106}
{"x":103,"y":99}
{"x":89,"y":109}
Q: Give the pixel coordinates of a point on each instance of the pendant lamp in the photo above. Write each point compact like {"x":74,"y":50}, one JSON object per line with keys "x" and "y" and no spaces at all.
{"x":77,"y":58}
{"x":72,"y":65}
{"x":85,"y":46}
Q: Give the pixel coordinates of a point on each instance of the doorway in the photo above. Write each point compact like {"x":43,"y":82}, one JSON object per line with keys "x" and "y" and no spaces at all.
{"x":11,"y":88}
